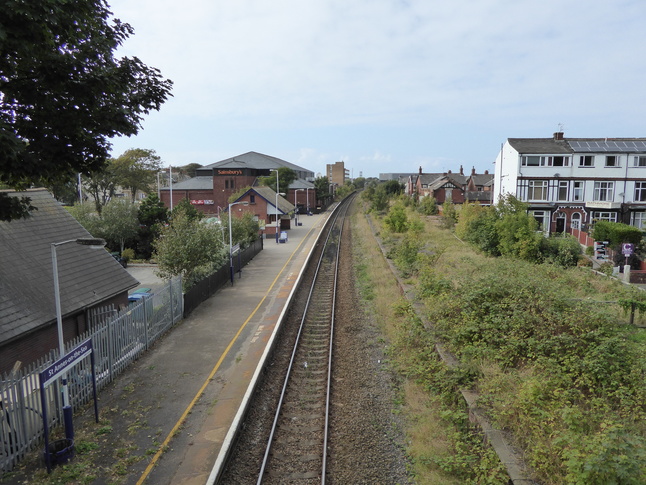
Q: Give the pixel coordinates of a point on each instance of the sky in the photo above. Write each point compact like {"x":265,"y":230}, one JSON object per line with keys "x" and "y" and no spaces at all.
{"x":385,"y":85}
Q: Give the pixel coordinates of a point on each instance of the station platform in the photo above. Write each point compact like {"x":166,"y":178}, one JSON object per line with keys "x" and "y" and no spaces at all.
{"x":192,"y":382}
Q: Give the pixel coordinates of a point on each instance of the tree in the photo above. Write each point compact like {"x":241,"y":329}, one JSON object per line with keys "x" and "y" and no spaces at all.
{"x":119,"y":222}
{"x":152,"y":211}
{"x":136,"y":169}
{"x":285,"y":178}
{"x":63,"y":94}
{"x":87,"y":217}
{"x":322,"y":187}
{"x":152,"y":215}
{"x":185,"y":207}
{"x":101,"y":184}
{"x":187,"y":245}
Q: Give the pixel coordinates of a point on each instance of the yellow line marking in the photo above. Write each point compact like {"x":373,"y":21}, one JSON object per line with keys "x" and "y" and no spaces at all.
{"x":166,"y":442}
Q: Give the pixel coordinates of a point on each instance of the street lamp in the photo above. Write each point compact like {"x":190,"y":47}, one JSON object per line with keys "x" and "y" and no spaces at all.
{"x":231,"y":239}
{"x":296,"y":204}
{"x":277,"y":190}
{"x":170,"y":177}
{"x":307,"y":196}
{"x":94,"y":243}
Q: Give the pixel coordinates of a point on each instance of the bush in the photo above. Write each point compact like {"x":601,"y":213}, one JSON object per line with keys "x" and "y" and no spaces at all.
{"x":561,"y":250}
{"x":616,"y":233}
{"x":128,"y":254}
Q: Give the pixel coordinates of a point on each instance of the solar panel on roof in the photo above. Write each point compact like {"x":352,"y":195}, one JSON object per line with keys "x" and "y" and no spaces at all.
{"x":608,"y":146}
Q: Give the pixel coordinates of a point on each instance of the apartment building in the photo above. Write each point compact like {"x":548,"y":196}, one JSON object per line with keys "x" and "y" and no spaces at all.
{"x":571,"y":182}
{"x":337,"y":173}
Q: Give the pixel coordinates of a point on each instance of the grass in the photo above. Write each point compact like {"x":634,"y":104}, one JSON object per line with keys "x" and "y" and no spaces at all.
{"x":432,"y":438}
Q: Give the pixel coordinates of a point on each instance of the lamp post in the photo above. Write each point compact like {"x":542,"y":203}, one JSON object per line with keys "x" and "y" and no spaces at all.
{"x":94,"y":243}
{"x":296,"y":204}
{"x":170,"y":178}
{"x":231,"y":239}
{"x":307,"y":196}
{"x":277,"y":190}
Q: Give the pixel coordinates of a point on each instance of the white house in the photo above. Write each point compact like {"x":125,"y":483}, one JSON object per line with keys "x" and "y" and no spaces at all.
{"x":571,"y":182}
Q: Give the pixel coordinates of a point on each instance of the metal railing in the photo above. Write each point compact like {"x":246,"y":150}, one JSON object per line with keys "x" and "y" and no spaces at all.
{"x":118,"y":338}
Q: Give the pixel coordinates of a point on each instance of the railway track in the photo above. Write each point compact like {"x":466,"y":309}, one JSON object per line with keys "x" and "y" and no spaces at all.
{"x":296,"y":450}
{"x":284,"y":438}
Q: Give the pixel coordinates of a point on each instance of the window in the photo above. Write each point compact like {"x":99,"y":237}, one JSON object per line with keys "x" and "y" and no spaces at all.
{"x":531,"y":161}
{"x":560,"y":161}
{"x":640,"y":161}
{"x":605,"y":216}
{"x":537,"y":190}
{"x":252,"y":199}
{"x":543,"y":219}
{"x":612,"y":161}
{"x":226,"y":184}
{"x":562,"y":193}
{"x":604,"y":191}
{"x":576,"y":221}
{"x":577,"y":191}
{"x":638,"y":219}
{"x":586,"y":161}
{"x":536,"y":161}
{"x":640,"y":191}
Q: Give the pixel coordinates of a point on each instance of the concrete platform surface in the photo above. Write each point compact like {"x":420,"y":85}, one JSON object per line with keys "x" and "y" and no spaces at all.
{"x":191,"y":383}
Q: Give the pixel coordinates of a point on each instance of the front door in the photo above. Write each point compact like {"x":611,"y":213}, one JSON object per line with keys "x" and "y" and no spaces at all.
{"x":560,"y":224}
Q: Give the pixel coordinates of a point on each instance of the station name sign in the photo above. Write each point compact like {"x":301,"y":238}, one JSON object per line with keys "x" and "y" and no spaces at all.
{"x":66,"y":362}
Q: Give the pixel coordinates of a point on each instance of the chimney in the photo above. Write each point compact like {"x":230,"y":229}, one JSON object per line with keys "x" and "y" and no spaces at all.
{"x":449,"y":171}
{"x":558,"y":135}
{"x":473,"y":170}
{"x":461,"y":170}
{"x":486,"y":172}
{"x":420,"y":170}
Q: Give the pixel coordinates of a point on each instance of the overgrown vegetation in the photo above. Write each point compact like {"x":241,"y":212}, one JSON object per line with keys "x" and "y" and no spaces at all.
{"x":546,"y":344}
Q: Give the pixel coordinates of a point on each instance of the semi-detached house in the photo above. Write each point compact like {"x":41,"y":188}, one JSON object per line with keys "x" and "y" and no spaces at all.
{"x":569,"y":183}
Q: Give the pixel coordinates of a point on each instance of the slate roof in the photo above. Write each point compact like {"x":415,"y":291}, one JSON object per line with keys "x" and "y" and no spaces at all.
{"x":201,"y":182}
{"x":87,"y":276}
{"x":540,"y":145}
{"x":284,"y":206}
{"x":576,"y":145}
{"x":255,"y":160}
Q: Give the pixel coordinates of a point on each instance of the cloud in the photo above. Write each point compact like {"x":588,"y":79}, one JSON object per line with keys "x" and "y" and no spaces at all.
{"x":293,"y":65}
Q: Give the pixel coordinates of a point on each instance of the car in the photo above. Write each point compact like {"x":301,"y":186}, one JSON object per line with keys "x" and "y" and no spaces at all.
{"x":121,"y":260}
{"x":139,"y":294}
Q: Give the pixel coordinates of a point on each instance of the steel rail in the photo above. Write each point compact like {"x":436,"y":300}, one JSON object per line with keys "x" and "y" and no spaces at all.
{"x":318,"y":280}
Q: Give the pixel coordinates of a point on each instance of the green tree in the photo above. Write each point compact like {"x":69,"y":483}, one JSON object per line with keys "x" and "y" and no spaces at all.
{"x":152,"y":211}
{"x":322,"y":187}
{"x":396,"y":220}
{"x":427,"y":206}
{"x":119,"y":222}
{"x":187,"y":247}
{"x":449,"y":214}
{"x":63,"y":93}
{"x":379,"y":199}
{"x":244,"y":230}
{"x":136,"y":169}
{"x":152,"y":215}
{"x":184,"y":206}
{"x":87,"y":217}
{"x":359,"y":182}
{"x":101,"y":184}
{"x":285,"y":178}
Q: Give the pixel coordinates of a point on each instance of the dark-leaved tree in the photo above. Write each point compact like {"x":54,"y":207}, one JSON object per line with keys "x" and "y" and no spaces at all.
{"x":63,"y":94}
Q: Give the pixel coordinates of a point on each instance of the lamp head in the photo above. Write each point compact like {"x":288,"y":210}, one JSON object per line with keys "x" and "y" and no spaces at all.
{"x":93,"y":242}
